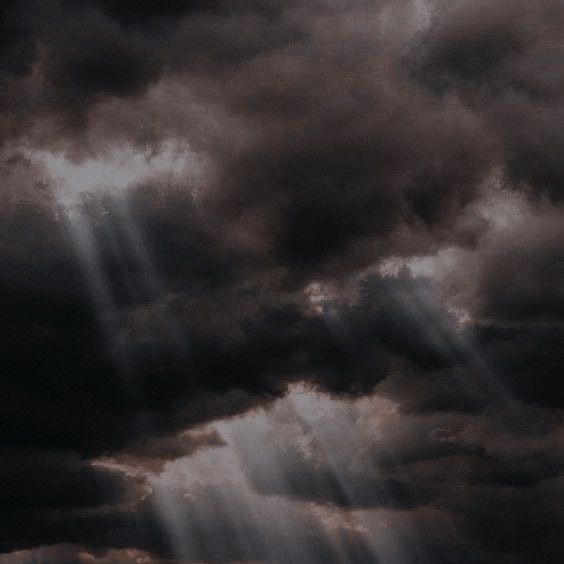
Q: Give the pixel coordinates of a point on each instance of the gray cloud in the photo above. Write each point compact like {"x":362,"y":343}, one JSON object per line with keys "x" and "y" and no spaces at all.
{"x":324,"y":140}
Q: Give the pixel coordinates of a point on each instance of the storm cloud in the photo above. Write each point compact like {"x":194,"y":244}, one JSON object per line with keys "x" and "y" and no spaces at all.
{"x":281,"y":281}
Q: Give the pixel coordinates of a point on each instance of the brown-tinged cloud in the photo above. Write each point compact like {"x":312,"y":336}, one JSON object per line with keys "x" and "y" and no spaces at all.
{"x":208,"y":205}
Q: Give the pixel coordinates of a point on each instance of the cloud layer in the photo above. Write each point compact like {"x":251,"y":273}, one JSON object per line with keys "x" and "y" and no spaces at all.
{"x":208,"y":204}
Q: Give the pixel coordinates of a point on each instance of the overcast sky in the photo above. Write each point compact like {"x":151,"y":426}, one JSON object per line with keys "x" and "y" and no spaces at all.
{"x":282,"y":281}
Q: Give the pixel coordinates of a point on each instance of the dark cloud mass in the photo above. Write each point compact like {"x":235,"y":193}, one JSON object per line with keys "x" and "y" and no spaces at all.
{"x":281,"y":281}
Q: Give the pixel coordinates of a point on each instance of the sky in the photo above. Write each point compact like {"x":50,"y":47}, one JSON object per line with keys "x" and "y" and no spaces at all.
{"x":281,"y":281}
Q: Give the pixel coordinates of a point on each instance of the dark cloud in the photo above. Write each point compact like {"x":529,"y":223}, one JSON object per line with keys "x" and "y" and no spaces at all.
{"x":61,"y":59}
{"x":468,"y":45}
{"x":42,"y":490}
{"x":502,"y":61}
{"x":51,"y":481}
{"x":172,"y":350}
{"x":18,"y":43}
{"x":130,"y":12}
{"x":338,"y":151}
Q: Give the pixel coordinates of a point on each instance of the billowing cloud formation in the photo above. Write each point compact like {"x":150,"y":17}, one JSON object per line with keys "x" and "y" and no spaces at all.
{"x":207,"y":204}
